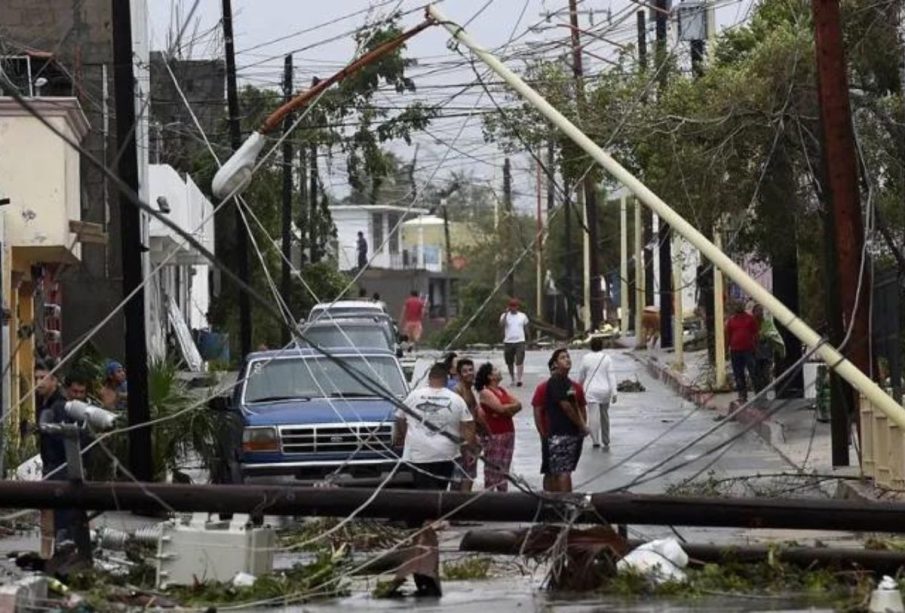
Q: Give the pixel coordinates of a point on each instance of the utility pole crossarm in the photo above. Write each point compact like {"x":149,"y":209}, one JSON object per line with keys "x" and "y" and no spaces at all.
{"x":781,"y":313}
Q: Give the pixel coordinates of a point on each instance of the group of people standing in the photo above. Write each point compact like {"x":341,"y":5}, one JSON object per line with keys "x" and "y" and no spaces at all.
{"x":464,"y":413}
{"x":754,"y":345}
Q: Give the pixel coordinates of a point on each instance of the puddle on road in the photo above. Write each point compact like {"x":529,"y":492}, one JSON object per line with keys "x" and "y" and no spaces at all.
{"x":521,"y":594}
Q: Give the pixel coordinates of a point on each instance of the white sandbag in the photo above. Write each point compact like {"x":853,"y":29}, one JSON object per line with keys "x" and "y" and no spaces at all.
{"x":661,"y":561}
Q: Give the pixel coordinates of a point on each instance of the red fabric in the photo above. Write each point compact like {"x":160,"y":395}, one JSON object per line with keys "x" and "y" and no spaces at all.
{"x":741,"y":332}
{"x":498,"y":424}
{"x":413,"y":308}
{"x":540,"y":400}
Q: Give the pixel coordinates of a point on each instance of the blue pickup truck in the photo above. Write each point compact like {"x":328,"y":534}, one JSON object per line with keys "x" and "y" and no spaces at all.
{"x":305,"y":418}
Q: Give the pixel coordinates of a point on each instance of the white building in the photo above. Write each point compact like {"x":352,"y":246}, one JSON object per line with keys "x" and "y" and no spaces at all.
{"x":382,"y":228}
{"x":181,"y":287}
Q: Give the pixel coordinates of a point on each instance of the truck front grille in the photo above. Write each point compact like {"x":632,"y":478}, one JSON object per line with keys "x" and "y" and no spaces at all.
{"x":336,"y":438}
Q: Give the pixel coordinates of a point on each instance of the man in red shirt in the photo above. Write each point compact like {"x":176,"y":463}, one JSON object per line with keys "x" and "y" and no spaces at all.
{"x":557,"y":477}
{"x":412,"y":314}
{"x":741,"y":336}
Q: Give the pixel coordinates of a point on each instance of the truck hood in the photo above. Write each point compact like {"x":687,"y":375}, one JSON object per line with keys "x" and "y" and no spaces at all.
{"x":318,"y":411}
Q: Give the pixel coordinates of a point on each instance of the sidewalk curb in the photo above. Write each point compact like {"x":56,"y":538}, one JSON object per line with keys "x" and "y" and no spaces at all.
{"x":771,"y":432}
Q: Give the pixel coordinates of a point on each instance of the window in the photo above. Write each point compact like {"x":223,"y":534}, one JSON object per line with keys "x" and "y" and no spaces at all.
{"x":318,"y":377}
{"x":395,"y":233}
{"x":376,"y":232}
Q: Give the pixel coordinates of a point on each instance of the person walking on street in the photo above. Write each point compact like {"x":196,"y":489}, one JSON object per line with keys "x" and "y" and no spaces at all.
{"x":412,"y":314}
{"x":770,"y":346}
{"x":566,"y":417}
{"x":361,"y":246}
{"x":429,"y":432}
{"x":514,"y":324}
{"x":741,"y":336}
{"x":497,"y":406}
{"x":599,"y":382}
{"x":468,"y":463}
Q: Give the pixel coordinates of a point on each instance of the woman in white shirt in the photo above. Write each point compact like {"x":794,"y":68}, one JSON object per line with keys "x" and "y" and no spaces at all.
{"x":599,"y":382}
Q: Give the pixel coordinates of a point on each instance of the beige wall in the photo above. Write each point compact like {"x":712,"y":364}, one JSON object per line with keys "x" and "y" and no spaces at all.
{"x":39,"y":173}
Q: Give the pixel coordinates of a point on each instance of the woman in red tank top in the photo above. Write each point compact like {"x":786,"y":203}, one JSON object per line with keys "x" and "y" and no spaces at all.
{"x":497,"y":407}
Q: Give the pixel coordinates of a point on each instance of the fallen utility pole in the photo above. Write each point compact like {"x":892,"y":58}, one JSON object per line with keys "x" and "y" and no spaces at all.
{"x":640,"y":509}
{"x":849,"y":302}
{"x":533,"y":542}
{"x":138,"y":410}
{"x":862,"y":382}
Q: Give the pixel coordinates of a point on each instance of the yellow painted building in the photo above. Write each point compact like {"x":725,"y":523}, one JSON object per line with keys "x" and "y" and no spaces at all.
{"x":40,"y":175}
{"x":424,"y":239}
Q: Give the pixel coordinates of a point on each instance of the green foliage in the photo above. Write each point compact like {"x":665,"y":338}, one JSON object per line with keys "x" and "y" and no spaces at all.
{"x":741,"y":143}
{"x":347,"y":120}
{"x":185,"y":431}
{"x":358,"y":534}
{"x":843,"y":590}
{"x":318,"y":579}
{"x":468,"y":568}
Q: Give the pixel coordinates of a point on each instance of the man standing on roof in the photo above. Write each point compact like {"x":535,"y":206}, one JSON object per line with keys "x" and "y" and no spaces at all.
{"x":412,"y":314}
{"x":514,"y":324}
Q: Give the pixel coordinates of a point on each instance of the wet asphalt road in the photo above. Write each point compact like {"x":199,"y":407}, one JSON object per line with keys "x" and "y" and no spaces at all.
{"x":651,"y":420}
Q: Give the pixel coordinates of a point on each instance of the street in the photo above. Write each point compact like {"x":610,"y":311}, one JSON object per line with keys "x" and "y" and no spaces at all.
{"x":635,"y":420}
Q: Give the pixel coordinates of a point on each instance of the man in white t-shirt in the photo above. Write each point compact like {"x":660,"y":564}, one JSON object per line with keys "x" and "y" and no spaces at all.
{"x":430,"y":434}
{"x":514,"y":324}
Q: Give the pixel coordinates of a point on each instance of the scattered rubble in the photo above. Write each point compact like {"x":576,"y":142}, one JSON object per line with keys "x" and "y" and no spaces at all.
{"x":629,"y":386}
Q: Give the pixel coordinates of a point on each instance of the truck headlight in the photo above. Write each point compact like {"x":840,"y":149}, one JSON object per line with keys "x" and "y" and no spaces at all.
{"x":260,"y":439}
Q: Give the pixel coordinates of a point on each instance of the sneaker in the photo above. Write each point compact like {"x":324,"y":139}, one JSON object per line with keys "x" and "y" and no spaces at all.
{"x":519,"y":384}
{"x":595,"y":445}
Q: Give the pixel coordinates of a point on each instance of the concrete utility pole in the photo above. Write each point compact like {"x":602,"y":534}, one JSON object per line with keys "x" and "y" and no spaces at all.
{"x":447,"y":280}
{"x":845,"y":228}
{"x":539,"y":253}
{"x":639,"y":270}
{"x":664,"y":234}
{"x":623,"y":266}
{"x":510,"y":219}
{"x":719,"y":326}
{"x":235,"y":135}
{"x":592,"y":294}
{"x":141,"y":459}
{"x":285,"y":284}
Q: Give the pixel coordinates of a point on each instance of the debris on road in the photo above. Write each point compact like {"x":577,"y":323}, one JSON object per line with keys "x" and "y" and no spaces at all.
{"x":627,"y":385}
{"x":661,"y":561}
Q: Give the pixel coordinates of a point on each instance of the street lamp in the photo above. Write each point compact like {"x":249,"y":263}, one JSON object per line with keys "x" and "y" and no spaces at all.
{"x":236,"y":173}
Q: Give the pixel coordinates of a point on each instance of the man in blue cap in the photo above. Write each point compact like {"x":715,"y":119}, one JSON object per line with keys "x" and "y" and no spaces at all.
{"x":114,"y":391}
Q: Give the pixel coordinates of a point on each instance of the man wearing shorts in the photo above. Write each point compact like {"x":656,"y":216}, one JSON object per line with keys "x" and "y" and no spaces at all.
{"x":514,"y":323}
{"x":541,"y":422}
{"x":566,"y":417}
{"x":412,"y":314}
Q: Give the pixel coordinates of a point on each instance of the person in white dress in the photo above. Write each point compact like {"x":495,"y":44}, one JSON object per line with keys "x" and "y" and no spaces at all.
{"x":598,"y":379}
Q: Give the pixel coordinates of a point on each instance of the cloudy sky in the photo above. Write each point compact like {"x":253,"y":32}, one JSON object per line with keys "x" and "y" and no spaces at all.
{"x":318,"y":34}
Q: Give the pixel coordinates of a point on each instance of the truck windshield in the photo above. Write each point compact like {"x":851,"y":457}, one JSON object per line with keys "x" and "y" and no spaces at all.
{"x":319,"y":377}
{"x":338,"y":335}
